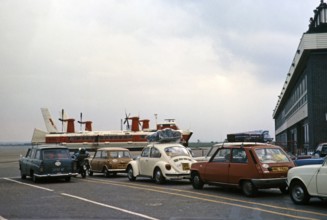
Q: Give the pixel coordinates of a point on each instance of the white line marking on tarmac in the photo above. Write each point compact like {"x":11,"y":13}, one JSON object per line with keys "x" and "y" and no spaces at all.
{"x":109,"y":206}
{"x":39,"y":187}
{"x":86,"y":200}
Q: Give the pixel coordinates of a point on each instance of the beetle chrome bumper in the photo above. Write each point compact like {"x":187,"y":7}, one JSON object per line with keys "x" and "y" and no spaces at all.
{"x":178,"y":176}
{"x":55,"y":175}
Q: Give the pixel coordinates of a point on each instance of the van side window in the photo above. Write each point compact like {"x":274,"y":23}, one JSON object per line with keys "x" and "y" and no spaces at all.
{"x":98,"y":154}
{"x":33,"y":153}
{"x":104,"y":154}
{"x":113,"y":154}
{"x":223,"y":155}
{"x":239,"y":156}
{"x":38,"y":155}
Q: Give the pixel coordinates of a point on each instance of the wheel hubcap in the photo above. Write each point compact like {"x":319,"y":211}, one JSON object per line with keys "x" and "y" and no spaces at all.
{"x":130,"y":173}
{"x":196,"y":180}
{"x":298,"y":193}
{"x":248,"y":187}
{"x":158,"y":175}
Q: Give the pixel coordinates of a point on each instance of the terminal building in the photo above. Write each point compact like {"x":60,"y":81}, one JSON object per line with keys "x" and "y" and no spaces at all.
{"x":300,"y":114}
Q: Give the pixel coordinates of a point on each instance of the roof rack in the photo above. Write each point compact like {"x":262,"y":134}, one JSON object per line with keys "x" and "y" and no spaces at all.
{"x":241,"y":144}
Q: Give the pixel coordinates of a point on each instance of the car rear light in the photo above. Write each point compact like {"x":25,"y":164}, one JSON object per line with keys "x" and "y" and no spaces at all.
{"x":168,"y":166}
{"x":265,"y":168}
{"x":260,"y":168}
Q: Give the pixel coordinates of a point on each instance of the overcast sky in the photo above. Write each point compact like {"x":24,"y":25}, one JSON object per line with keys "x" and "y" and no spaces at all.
{"x":217,"y":67}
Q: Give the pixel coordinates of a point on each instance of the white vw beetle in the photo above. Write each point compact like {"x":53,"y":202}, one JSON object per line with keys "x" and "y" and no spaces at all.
{"x":307,"y":181}
{"x":161,"y":161}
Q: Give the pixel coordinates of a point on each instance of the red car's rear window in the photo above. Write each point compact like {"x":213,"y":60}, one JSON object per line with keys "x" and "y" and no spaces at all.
{"x":271,"y":155}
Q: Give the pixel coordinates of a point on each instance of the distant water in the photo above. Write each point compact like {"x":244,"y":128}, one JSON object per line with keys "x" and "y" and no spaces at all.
{"x":11,"y":152}
{"x":14,"y":145}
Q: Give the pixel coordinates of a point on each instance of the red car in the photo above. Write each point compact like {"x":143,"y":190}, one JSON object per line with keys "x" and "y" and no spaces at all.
{"x":249,"y":166}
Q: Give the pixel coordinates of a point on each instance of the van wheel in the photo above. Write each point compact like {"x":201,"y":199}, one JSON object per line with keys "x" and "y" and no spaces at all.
{"x":158,"y":177}
{"x":130,"y":174}
{"x":299,"y":193}
{"x":34,"y":178}
{"x":106,"y":172}
{"x":23,"y":176}
{"x":248,"y":188}
{"x":197,"y":183}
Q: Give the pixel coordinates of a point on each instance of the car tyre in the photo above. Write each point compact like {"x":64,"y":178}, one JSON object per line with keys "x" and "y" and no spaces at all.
{"x":34,"y":178}
{"x":130,"y":174}
{"x":299,"y":193}
{"x":284,"y":189}
{"x":248,"y":188}
{"x":83,"y":173}
{"x":90,"y":173}
{"x":106,"y":172}
{"x":67,"y":179}
{"x":158,"y":177}
{"x":197,"y":183}
{"x":23,"y":176}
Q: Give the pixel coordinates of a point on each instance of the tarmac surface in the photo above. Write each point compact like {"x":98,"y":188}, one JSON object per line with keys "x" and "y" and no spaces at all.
{"x":98,"y":197}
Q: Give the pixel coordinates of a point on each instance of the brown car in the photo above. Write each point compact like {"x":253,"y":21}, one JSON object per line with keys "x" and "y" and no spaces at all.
{"x":110,"y":160}
{"x":249,"y":166}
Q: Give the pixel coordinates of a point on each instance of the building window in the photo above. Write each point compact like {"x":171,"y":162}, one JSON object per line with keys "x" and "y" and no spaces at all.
{"x":296,"y":100}
{"x":306,"y":133}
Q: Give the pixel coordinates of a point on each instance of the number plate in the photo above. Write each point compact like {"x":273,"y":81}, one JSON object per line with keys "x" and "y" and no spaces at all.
{"x":279,"y":169}
{"x":186,"y":166}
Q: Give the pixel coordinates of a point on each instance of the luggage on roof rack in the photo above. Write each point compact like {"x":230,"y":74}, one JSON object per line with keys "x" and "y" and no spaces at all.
{"x":165,"y":135}
{"x":250,"y":136}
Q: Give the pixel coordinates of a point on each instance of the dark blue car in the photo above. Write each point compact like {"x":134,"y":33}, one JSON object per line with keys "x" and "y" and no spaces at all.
{"x":301,"y":162}
{"x":47,"y":161}
{"x":317,"y":157}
